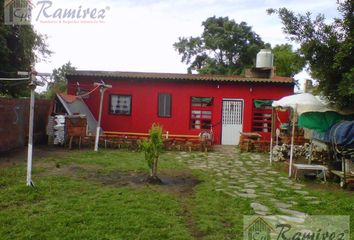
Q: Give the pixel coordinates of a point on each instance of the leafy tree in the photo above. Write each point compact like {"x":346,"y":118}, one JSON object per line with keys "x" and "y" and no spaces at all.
{"x":225,"y":47}
{"x":328,"y":48}
{"x":287,"y":62}
{"x":152,"y":148}
{"x":59,"y":83}
{"x":20,"y":48}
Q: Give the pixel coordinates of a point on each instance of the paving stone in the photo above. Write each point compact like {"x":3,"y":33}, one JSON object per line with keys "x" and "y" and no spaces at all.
{"x":230,"y":193}
{"x":262,"y":213}
{"x":310,"y":198}
{"x":283,"y":178}
{"x":259,"y":207}
{"x":249,"y":191}
{"x":280,"y":189}
{"x":232,"y":182}
{"x":290,"y":219}
{"x":293,"y":212}
{"x":250,"y":185}
{"x":282,"y":205}
{"x":267,"y":194}
{"x":243,"y":180}
{"x":301,"y":192}
{"x":235,"y":187}
{"x":246,"y":195}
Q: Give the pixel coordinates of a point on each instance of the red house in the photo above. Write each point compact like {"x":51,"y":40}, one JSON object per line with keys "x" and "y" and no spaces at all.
{"x":184,"y":104}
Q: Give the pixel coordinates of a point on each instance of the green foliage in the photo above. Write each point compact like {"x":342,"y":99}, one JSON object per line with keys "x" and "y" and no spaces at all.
{"x":59,"y":83}
{"x":20,"y":48}
{"x":287,"y":62}
{"x":153,"y":147}
{"x":328,"y":48}
{"x":225,"y":47}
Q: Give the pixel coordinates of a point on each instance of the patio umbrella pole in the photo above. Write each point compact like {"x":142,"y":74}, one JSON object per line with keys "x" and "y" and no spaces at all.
{"x":271,"y":138}
{"x":292,"y":141}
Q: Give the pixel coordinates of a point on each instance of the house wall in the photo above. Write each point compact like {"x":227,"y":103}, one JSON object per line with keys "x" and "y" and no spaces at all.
{"x":145,"y":102}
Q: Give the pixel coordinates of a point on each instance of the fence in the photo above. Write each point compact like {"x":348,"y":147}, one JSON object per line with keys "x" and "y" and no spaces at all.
{"x":14,"y":114}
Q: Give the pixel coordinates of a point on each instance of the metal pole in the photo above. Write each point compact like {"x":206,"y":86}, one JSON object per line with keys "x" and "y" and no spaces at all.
{"x":292,"y":141}
{"x":30,"y":135}
{"x":102,"y":88}
{"x":271,"y":138}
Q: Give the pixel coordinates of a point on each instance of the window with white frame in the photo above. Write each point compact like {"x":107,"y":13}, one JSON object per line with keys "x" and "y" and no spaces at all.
{"x":201,"y":112}
{"x":120,"y":104}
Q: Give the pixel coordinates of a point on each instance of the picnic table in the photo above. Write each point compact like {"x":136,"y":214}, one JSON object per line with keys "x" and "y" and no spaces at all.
{"x":311,"y":167}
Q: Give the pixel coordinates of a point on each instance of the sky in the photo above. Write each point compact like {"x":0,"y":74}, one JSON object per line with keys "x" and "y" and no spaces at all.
{"x":137,"y":35}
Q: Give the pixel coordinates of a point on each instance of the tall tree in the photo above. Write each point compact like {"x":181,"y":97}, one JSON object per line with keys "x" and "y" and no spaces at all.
{"x":224,"y":47}
{"x":59,"y":82}
{"x":328,"y":48}
{"x":287,"y":62}
{"x":20,"y":48}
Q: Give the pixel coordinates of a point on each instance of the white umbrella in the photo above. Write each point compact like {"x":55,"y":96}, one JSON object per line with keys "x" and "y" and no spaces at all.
{"x":303,"y":102}
{"x":300,"y":103}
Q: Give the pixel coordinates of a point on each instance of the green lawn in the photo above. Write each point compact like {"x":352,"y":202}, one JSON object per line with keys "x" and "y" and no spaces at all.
{"x":76,"y":198}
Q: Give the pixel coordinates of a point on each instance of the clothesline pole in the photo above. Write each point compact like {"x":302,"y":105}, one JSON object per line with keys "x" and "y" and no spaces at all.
{"x":102,"y":87}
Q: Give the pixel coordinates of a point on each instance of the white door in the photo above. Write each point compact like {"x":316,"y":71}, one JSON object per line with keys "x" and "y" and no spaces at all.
{"x":232,"y":120}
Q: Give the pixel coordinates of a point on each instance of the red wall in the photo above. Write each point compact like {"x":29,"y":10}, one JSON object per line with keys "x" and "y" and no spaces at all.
{"x":144,"y":102}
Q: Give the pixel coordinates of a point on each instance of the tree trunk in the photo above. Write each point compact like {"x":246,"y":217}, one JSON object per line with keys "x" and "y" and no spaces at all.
{"x":153,"y":178}
{"x":154,"y":170}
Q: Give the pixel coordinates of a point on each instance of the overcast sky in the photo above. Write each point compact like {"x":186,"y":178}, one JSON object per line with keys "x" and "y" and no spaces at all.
{"x":137,"y":35}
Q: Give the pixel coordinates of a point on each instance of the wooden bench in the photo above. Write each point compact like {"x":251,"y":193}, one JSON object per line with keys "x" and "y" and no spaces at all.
{"x":171,"y":141}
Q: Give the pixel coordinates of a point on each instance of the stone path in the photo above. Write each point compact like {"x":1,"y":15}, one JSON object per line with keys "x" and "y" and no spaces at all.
{"x":248,"y":175}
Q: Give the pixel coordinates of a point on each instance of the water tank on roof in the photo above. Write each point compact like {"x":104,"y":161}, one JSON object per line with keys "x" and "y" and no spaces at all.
{"x":264,"y":59}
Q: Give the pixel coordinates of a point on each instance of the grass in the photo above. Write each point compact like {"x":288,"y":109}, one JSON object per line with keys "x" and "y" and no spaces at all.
{"x":72,"y":206}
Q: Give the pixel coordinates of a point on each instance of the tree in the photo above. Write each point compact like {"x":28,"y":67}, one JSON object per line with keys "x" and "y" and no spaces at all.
{"x":152,"y":148}
{"x":225,"y":47}
{"x":287,"y":62}
{"x":59,"y":83}
{"x":328,"y":48}
{"x":20,"y":48}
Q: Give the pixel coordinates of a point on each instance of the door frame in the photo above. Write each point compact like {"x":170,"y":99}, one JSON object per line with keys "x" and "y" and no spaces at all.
{"x":222,"y":113}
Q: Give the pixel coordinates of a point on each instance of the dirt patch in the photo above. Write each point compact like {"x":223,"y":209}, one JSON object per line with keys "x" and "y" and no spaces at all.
{"x":18,"y":156}
{"x":178,"y":183}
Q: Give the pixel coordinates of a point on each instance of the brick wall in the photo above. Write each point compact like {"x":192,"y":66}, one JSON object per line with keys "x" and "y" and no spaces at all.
{"x":14,"y":114}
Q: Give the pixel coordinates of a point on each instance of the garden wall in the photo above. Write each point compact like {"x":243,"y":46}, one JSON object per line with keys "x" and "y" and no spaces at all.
{"x":14,"y":114}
